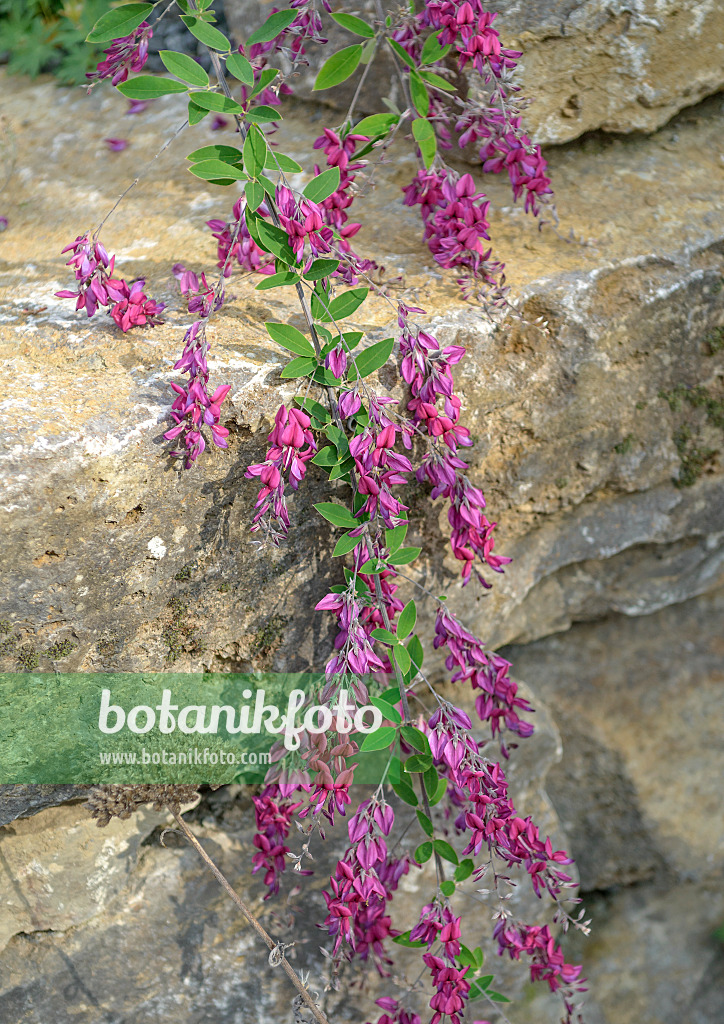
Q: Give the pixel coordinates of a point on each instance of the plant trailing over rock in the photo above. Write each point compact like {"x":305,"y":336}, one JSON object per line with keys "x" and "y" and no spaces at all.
{"x":344,"y":423}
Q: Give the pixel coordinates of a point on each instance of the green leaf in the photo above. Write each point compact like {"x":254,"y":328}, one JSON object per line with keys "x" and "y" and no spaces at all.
{"x":184,"y":67}
{"x":424,"y":135}
{"x":432,"y":51}
{"x":376,"y":124}
{"x":464,"y":870}
{"x":418,"y":763}
{"x":353,"y":24}
{"x":423,"y":852}
{"x":407,"y":620}
{"x":339,"y":67}
{"x":430,"y":780}
{"x":479,"y":986}
{"x":447,"y":888}
{"x":419,"y":94}
{"x":272,"y":27}
{"x":439,"y":793}
{"x":445,"y":850}
{"x":313,"y":408}
{"x":212,"y":170}
{"x":438,"y":80}
{"x":387,"y":710}
{"x":281,"y":162}
{"x":416,"y":652}
{"x":404,"y":940}
{"x":392,"y":696}
{"x":263,"y":115}
{"x":466,"y":957}
{"x":497,"y":997}
{"x":216,"y":102}
{"x":372,"y":567}
{"x":119,"y":23}
{"x":326,"y":457}
{"x":405,"y":793}
{"x":416,"y":738}
{"x":149,"y":87}
{"x":265,"y":79}
{"x":255,"y":151}
{"x":404,"y":556}
{"x":380,"y":739}
{"x":342,"y":471}
{"x":321,"y":268}
{"x":337,"y":515}
{"x":368,"y":51}
{"x":206,"y":33}
{"x":292,"y":339}
{"x":276,"y":280}
{"x":425,"y":823}
{"x":395,"y":537}
{"x":401,"y":53}
{"x":345,"y":544}
{"x":254,"y":194}
{"x":345,"y":304}
{"x":384,"y":635}
{"x":401,"y":657}
{"x":238,"y":66}
{"x":270,"y":238}
{"x":196,"y":113}
{"x":228,"y":154}
{"x":302,"y":366}
{"x":374,"y":357}
{"x":322,"y":186}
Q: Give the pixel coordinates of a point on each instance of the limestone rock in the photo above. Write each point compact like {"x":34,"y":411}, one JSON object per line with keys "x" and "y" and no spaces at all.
{"x":647,"y":696}
{"x":59,"y":870}
{"x":587,"y":64}
{"x":114,"y":559}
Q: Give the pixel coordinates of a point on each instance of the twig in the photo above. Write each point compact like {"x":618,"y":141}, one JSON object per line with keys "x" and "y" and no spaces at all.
{"x":275,"y":948}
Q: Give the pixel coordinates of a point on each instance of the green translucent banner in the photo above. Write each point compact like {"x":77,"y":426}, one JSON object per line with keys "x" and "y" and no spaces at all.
{"x":162,"y":727}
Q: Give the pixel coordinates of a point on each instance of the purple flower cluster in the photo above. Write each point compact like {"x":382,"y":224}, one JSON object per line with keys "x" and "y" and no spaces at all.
{"x":194,"y":408}
{"x":291,"y":447}
{"x":455,"y":221}
{"x":127,"y":54}
{"x":235,"y":243}
{"x":364,"y":881}
{"x":426,"y":368}
{"x":274,"y":816}
{"x":340,"y":153}
{"x":497,"y":702}
{"x":128,"y":304}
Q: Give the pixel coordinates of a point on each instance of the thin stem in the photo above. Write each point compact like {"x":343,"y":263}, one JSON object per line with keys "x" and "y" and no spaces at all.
{"x":136,"y":180}
{"x":248,"y":914}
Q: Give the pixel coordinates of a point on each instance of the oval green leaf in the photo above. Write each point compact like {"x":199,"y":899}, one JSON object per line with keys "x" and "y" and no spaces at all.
{"x":272,"y":27}
{"x":353,"y":24}
{"x":206,"y":34}
{"x":372,"y":358}
{"x":322,"y":186}
{"x":119,"y":23}
{"x":149,"y":87}
{"x":380,"y":739}
{"x":238,"y":66}
{"x":339,"y":67}
{"x":184,"y":67}
{"x":292,"y":339}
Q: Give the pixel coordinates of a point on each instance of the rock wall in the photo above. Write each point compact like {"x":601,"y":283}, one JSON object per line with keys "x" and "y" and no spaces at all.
{"x":598,"y":445}
{"x":587,"y":65}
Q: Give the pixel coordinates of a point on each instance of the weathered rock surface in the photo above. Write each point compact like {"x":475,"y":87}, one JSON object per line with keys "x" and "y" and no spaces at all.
{"x":648,"y":695}
{"x":105,"y":925}
{"x":167,"y":940}
{"x":114,"y":559}
{"x":587,"y":64}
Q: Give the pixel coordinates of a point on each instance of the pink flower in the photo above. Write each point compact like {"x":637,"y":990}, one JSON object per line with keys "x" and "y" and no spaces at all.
{"x":116,"y":145}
